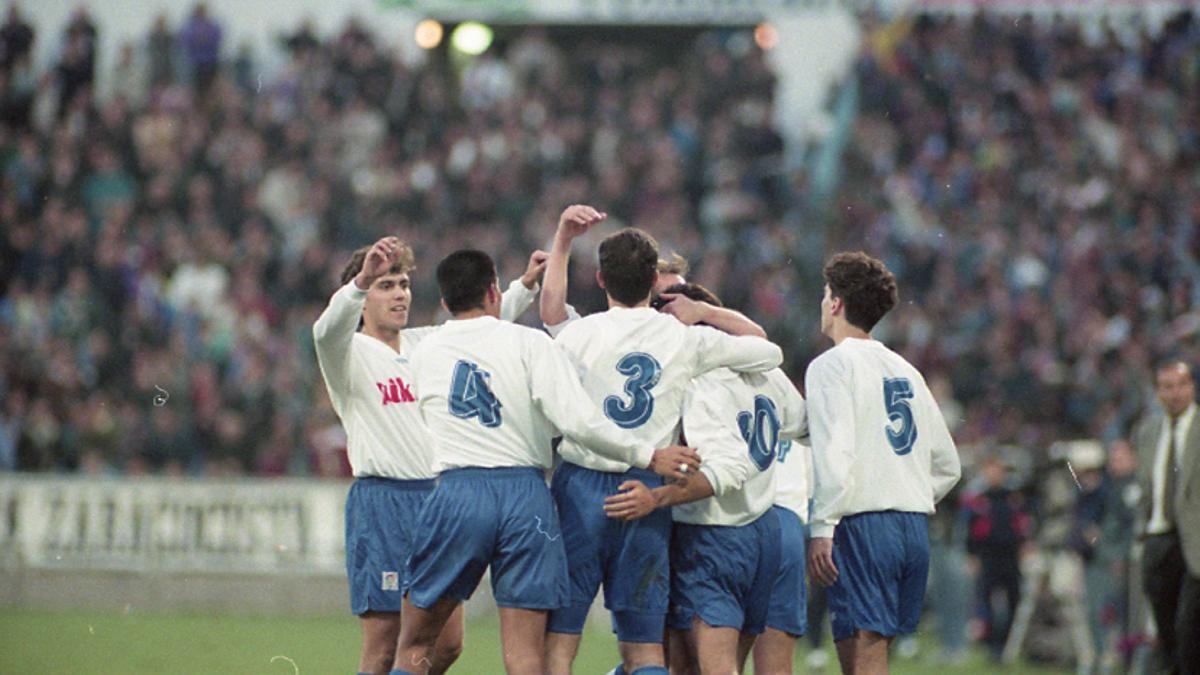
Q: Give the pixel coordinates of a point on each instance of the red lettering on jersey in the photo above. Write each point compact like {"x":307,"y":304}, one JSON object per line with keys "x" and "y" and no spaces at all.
{"x":395,"y":391}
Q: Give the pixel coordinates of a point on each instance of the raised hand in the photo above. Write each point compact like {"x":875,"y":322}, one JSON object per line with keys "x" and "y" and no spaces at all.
{"x":533,"y":272}
{"x":577,"y":219}
{"x":380,"y":258}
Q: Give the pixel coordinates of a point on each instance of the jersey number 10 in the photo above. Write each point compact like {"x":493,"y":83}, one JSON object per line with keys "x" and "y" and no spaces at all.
{"x":760,"y":430}
{"x":896,"y":393}
{"x":471,"y":395}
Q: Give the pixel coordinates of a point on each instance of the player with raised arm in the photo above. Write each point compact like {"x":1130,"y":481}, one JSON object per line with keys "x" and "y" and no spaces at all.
{"x":882,"y":457}
{"x":368,"y":376}
{"x":556,"y":314}
{"x":636,"y":364}
{"x":493,"y":394}
{"x":734,"y":553}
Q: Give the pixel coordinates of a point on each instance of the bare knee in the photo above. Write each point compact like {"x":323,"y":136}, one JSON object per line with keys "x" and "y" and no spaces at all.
{"x":558,"y":660}
{"x":444,"y":654}
{"x":516,"y":663}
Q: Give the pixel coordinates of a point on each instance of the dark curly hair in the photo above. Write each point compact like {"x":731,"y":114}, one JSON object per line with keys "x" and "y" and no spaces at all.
{"x":865,"y":285}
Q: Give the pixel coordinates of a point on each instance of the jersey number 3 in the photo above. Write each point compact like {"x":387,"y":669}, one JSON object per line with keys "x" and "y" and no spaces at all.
{"x":643,"y":371}
{"x":901,"y":430}
{"x":471,"y":395}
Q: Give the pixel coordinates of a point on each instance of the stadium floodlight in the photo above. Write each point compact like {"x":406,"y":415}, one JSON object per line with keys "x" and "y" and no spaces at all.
{"x":765,"y":36}
{"x":429,"y":34}
{"x":471,"y":38}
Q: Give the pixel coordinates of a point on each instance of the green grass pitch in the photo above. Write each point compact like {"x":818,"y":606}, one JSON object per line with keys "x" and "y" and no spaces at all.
{"x":122,"y":643}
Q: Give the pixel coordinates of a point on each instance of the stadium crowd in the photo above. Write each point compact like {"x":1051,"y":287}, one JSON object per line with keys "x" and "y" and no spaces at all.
{"x":1038,"y":194}
{"x":173,"y":239}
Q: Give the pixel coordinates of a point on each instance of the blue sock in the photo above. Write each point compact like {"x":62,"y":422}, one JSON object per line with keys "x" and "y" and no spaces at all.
{"x":619,"y":670}
{"x":650,"y":670}
{"x":397,"y":671}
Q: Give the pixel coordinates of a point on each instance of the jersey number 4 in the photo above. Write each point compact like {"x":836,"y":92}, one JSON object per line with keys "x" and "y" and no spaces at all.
{"x":901,"y":430}
{"x":760,"y":430}
{"x":643,"y":371}
{"x":471,"y":395}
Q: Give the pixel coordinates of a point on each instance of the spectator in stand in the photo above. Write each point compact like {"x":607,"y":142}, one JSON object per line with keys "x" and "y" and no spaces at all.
{"x":160,"y":53}
{"x":998,"y":526}
{"x":77,"y":62}
{"x":201,"y":43}
{"x":16,"y":39}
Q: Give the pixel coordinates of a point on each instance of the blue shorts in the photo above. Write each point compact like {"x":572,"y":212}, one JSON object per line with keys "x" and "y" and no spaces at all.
{"x":628,"y":558}
{"x":381,"y":514}
{"x":789,"y":603}
{"x":502,"y":517}
{"x":883,"y":566}
{"x":724,"y":574}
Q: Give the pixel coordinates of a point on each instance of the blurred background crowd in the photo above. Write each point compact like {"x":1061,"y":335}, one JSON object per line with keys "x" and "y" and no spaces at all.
{"x":168,"y":239}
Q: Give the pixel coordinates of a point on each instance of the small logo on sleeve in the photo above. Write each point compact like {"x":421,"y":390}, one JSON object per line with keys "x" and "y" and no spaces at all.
{"x":391,"y":581}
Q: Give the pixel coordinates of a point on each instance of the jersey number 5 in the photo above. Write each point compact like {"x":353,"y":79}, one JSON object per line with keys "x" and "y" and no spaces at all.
{"x":471,"y":395}
{"x":901,"y":430}
{"x":643,"y":371}
{"x":760,"y":430}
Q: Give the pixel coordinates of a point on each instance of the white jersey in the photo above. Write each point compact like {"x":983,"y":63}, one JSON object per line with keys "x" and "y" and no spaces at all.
{"x":794,"y":477}
{"x":636,"y":364}
{"x":494,"y":394}
{"x":737,"y":422}
{"x":878,"y":437}
{"x":371,"y":386}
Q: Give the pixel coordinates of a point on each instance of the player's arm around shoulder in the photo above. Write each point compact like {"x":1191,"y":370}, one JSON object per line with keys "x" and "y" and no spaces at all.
{"x":692,"y":312}
{"x":742,"y":353}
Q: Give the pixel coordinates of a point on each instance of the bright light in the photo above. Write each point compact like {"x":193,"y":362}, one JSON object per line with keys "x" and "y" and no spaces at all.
{"x":429,"y":34}
{"x":471,"y":38}
{"x":765,"y":36}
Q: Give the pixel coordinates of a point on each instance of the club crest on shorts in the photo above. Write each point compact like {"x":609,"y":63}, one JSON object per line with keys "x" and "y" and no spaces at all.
{"x":391,"y":581}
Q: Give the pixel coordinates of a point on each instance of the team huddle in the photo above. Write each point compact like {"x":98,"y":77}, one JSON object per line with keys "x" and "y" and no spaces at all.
{"x":655,"y":450}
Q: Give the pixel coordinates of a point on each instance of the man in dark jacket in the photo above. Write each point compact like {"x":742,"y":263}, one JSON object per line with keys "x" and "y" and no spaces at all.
{"x":998,"y":525}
